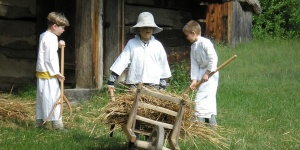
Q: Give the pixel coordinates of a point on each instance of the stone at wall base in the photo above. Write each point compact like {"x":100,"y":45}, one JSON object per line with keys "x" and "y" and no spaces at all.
{"x":75,"y":95}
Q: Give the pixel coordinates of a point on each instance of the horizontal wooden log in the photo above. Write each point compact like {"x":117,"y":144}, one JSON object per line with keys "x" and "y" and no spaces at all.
{"x":162,"y":17}
{"x":169,"y":4}
{"x":16,"y":67}
{"x":18,"y":3}
{"x":17,"y":28}
{"x":157,"y":108}
{"x":160,"y":96}
{"x":145,"y":3}
{"x":18,"y":9}
{"x":165,"y":125}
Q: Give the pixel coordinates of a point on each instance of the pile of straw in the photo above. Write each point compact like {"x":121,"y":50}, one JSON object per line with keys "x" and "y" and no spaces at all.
{"x":15,"y":110}
{"x":116,"y":112}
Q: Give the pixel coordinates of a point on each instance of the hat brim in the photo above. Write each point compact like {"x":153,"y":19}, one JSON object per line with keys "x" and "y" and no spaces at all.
{"x":134,"y":29}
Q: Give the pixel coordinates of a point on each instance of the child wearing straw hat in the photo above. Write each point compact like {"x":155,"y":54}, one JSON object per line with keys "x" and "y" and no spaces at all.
{"x":204,"y":59}
{"x":144,"y":56}
{"x":47,"y":71}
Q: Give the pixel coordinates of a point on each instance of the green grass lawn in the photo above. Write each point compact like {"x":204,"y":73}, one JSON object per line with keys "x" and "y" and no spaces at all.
{"x":258,"y":101}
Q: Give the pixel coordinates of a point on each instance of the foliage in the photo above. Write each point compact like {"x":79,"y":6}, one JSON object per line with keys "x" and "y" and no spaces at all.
{"x":27,"y":92}
{"x":180,"y":77}
{"x":277,"y":19}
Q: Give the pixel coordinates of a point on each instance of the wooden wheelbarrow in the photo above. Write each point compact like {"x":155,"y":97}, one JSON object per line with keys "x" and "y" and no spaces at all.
{"x":156,"y":138}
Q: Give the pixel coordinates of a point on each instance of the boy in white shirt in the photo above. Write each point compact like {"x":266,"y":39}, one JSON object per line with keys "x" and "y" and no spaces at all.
{"x":47,"y":71}
{"x":204,"y":60}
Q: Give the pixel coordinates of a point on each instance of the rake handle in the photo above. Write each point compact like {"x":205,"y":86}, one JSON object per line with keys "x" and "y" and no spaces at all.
{"x":211,"y":73}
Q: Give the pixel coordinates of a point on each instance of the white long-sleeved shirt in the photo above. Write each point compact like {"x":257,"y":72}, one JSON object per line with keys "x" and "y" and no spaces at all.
{"x":147,"y":62}
{"x":203,"y":55}
{"x":48,"y":60}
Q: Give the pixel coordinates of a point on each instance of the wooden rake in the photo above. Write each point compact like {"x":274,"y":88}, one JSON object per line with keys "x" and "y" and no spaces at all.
{"x":219,"y":68}
{"x":62,"y":98}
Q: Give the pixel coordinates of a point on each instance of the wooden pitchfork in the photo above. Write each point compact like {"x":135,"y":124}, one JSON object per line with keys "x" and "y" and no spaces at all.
{"x":219,"y":68}
{"x":62,"y":98}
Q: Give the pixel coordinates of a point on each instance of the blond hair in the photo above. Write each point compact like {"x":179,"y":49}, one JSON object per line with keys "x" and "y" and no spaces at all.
{"x":58,"y":19}
{"x":192,"y":26}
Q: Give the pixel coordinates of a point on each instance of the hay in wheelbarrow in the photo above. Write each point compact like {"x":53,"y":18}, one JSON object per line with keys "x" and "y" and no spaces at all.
{"x":116,"y":113}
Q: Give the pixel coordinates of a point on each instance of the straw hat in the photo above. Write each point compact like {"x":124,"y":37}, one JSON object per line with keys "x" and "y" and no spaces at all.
{"x":145,"y":19}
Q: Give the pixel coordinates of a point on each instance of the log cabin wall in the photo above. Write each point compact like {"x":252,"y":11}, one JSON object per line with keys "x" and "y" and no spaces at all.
{"x":17,"y":43}
{"x":21,"y":23}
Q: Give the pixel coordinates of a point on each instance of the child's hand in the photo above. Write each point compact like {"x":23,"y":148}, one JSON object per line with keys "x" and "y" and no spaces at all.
{"x":60,"y":77}
{"x":205,"y":77}
{"x":61,"y":43}
{"x":110,"y":88}
{"x":193,"y":85}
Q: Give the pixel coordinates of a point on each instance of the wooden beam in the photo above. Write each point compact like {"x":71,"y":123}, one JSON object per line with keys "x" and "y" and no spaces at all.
{"x":97,"y":43}
{"x":113,"y":32}
{"x":157,"y":108}
{"x":83,"y":45}
{"x":161,"y":96}
{"x":165,"y":125}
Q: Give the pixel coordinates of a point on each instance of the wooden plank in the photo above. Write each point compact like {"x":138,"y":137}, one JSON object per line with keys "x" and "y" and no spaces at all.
{"x":157,"y":108}
{"x":160,"y":96}
{"x":166,"y":4}
{"x":112,"y":32}
{"x":14,"y":9}
{"x":84,"y":70}
{"x":229,"y":25}
{"x":97,"y":43}
{"x":142,"y":132}
{"x":165,"y":125}
{"x":17,"y":28}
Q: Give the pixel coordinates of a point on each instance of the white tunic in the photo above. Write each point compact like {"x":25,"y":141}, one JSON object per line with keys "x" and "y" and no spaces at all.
{"x":47,"y":56}
{"x":204,"y":57}
{"x":147,"y":62}
{"x":48,"y":90}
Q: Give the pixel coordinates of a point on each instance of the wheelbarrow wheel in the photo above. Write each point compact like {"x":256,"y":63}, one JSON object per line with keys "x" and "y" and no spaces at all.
{"x":156,"y":138}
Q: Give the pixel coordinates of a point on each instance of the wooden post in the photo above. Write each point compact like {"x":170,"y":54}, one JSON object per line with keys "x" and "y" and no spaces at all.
{"x":88,"y":44}
{"x":113,"y":32}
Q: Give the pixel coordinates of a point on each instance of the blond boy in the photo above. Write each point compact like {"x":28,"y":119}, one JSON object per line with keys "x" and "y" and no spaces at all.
{"x":204,"y":60}
{"x":47,"y":71}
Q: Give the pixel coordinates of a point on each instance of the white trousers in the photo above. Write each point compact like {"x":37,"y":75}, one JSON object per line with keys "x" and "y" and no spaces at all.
{"x":48,"y":91}
{"x":205,"y":100}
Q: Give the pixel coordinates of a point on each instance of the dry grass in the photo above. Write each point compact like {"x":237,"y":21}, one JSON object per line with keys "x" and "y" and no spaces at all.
{"x":13,"y":110}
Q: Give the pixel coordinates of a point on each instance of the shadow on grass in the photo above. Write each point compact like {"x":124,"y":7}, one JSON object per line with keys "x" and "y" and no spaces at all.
{"x":102,"y":143}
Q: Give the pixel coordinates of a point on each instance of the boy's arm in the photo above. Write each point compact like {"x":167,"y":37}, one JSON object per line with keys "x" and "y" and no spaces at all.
{"x":111,"y":81}
{"x":212,"y":56}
